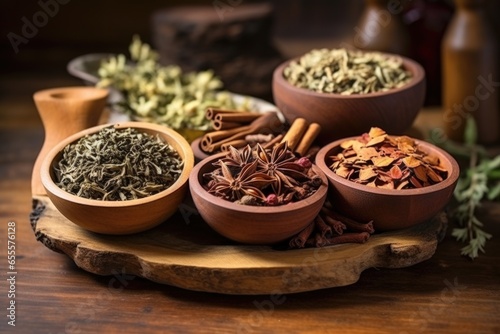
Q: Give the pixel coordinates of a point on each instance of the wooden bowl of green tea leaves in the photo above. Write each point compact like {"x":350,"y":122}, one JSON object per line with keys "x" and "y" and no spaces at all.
{"x":348,"y":92}
{"x":118,"y":179}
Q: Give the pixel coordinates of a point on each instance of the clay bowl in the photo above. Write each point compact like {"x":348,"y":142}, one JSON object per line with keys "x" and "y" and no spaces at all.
{"x":389,"y":209}
{"x":348,"y":115}
{"x":120,"y":217}
{"x":250,"y":224}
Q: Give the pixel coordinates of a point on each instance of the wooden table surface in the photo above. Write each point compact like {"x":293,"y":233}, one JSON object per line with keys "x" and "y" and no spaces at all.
{"x":446,"y":294}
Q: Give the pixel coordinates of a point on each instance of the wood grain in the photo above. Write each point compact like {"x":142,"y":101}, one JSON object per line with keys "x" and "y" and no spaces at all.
{"x":193,"y":257}
{"x":55,"y":296}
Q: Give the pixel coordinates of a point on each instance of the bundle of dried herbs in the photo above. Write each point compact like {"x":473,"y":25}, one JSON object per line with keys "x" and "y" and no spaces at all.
{"x":479,"y":182}
{"x":262,"y":177}
{"x":163,"y":94}
{"x":117,"y":165}
{"x":346,"y":72}
{"x":378,"y":160}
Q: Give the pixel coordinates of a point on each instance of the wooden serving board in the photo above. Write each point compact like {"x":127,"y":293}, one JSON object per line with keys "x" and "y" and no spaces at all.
{"x":186,"y":253}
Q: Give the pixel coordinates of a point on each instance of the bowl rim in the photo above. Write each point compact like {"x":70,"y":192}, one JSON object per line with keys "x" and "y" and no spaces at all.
{"x":409,"y":64}
{"x":451,"y":178}
{"x":55,"y":190}
{"x":195,"y":185}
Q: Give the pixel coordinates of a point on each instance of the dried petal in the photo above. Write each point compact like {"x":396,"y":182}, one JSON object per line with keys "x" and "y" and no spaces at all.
{"x":421,"y":173}
{"x":376,"y":132}
{"x":376,"y":140}
{"x":411,"y":162}
{"x":382,"y":161}
{"x":366,"y":174}
{"x":395,"y":173}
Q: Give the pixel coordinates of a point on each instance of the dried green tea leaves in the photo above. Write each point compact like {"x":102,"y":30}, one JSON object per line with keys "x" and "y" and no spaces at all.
{"x":164,"y":94}
{"x":117,"y":165}
{"x":378,"y":160}
{"x":346,"y":72}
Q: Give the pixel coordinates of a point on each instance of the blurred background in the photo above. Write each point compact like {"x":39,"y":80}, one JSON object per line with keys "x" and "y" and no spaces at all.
{"x":243,"y":51}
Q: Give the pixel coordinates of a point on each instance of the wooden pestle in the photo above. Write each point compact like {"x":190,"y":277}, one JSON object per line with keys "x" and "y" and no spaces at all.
{"x":65,"y":111}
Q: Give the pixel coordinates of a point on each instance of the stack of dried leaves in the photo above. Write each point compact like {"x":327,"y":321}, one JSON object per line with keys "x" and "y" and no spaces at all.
{"x":262,"y":177}
{"x":117,"y":165}
{"x":346,"y":72}
{"x":379,"y":160}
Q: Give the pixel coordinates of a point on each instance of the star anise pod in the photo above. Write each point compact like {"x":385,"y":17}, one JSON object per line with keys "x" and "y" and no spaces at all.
{"x":237,"y":158}
{"x":233,"y":186}
{"x":280,"y":163}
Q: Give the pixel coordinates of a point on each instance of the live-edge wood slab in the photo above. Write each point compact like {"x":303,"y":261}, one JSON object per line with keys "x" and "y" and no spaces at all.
{"x":186,"y":253}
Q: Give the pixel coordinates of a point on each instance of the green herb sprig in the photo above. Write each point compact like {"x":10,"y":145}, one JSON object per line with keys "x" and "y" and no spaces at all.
{"x":479,"y":181}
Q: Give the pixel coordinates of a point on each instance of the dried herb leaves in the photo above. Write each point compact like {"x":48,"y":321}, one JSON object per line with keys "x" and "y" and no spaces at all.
{"x":378,"y":160}
{"x":117,"y":165}
{"x":163,"y":94}
{"x":262,"y":177}
{"x":346,"y":72}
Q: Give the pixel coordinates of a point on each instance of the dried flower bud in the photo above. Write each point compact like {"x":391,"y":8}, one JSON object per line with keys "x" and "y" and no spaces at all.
{"x":304,"y":162}
{"x":272,"y":200}
{"x":248,"y":200}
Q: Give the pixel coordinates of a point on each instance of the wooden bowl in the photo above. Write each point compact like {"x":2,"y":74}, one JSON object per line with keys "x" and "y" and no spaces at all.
{"x":253,"y":224}
{"x":120,"y":217}
{"x":348,"y":115}
{"x":389,"y":209}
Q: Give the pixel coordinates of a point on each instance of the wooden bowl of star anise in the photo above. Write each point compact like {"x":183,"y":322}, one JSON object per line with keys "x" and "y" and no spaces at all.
{"x":394,"y":181}
{"x":258,"y":195}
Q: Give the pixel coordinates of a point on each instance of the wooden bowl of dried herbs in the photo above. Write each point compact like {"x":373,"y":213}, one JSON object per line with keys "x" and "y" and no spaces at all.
{"x":257,"y":195}
{"x":118,"y":179}
{"x":347,"y":92}
{"x":394,"y":181}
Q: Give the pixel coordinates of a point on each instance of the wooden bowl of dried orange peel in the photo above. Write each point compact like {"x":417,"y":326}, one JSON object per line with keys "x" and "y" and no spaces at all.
{"x":394,"y":181}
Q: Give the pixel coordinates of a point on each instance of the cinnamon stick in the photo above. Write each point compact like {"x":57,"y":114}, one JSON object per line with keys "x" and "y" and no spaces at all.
{"x":295,"y":133}
{"x":241,"y":117}
{"x":263,"y":124}
{"x":210,"y":113}
{"x":351,"y":224}
{"x":218,"y":125}
{"x":216,"y":136}
{"x":322,"y":227}
{"x":270,"y":144}
{"x":337,"y":225}
{"x":300,"y":239}
{"x":308,"y":138}
{"x":238,"y":143}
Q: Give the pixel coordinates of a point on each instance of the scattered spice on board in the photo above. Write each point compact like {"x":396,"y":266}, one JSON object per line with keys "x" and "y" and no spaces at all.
{"x":117,"y":165}
{"x":331,"y":228}
{"x":262,"y":177}
{"x":379,"y":160}
{"x":346,"y":72}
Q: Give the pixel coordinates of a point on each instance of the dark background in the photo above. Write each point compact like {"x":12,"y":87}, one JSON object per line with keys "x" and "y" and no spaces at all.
{"x":89,"y":26}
